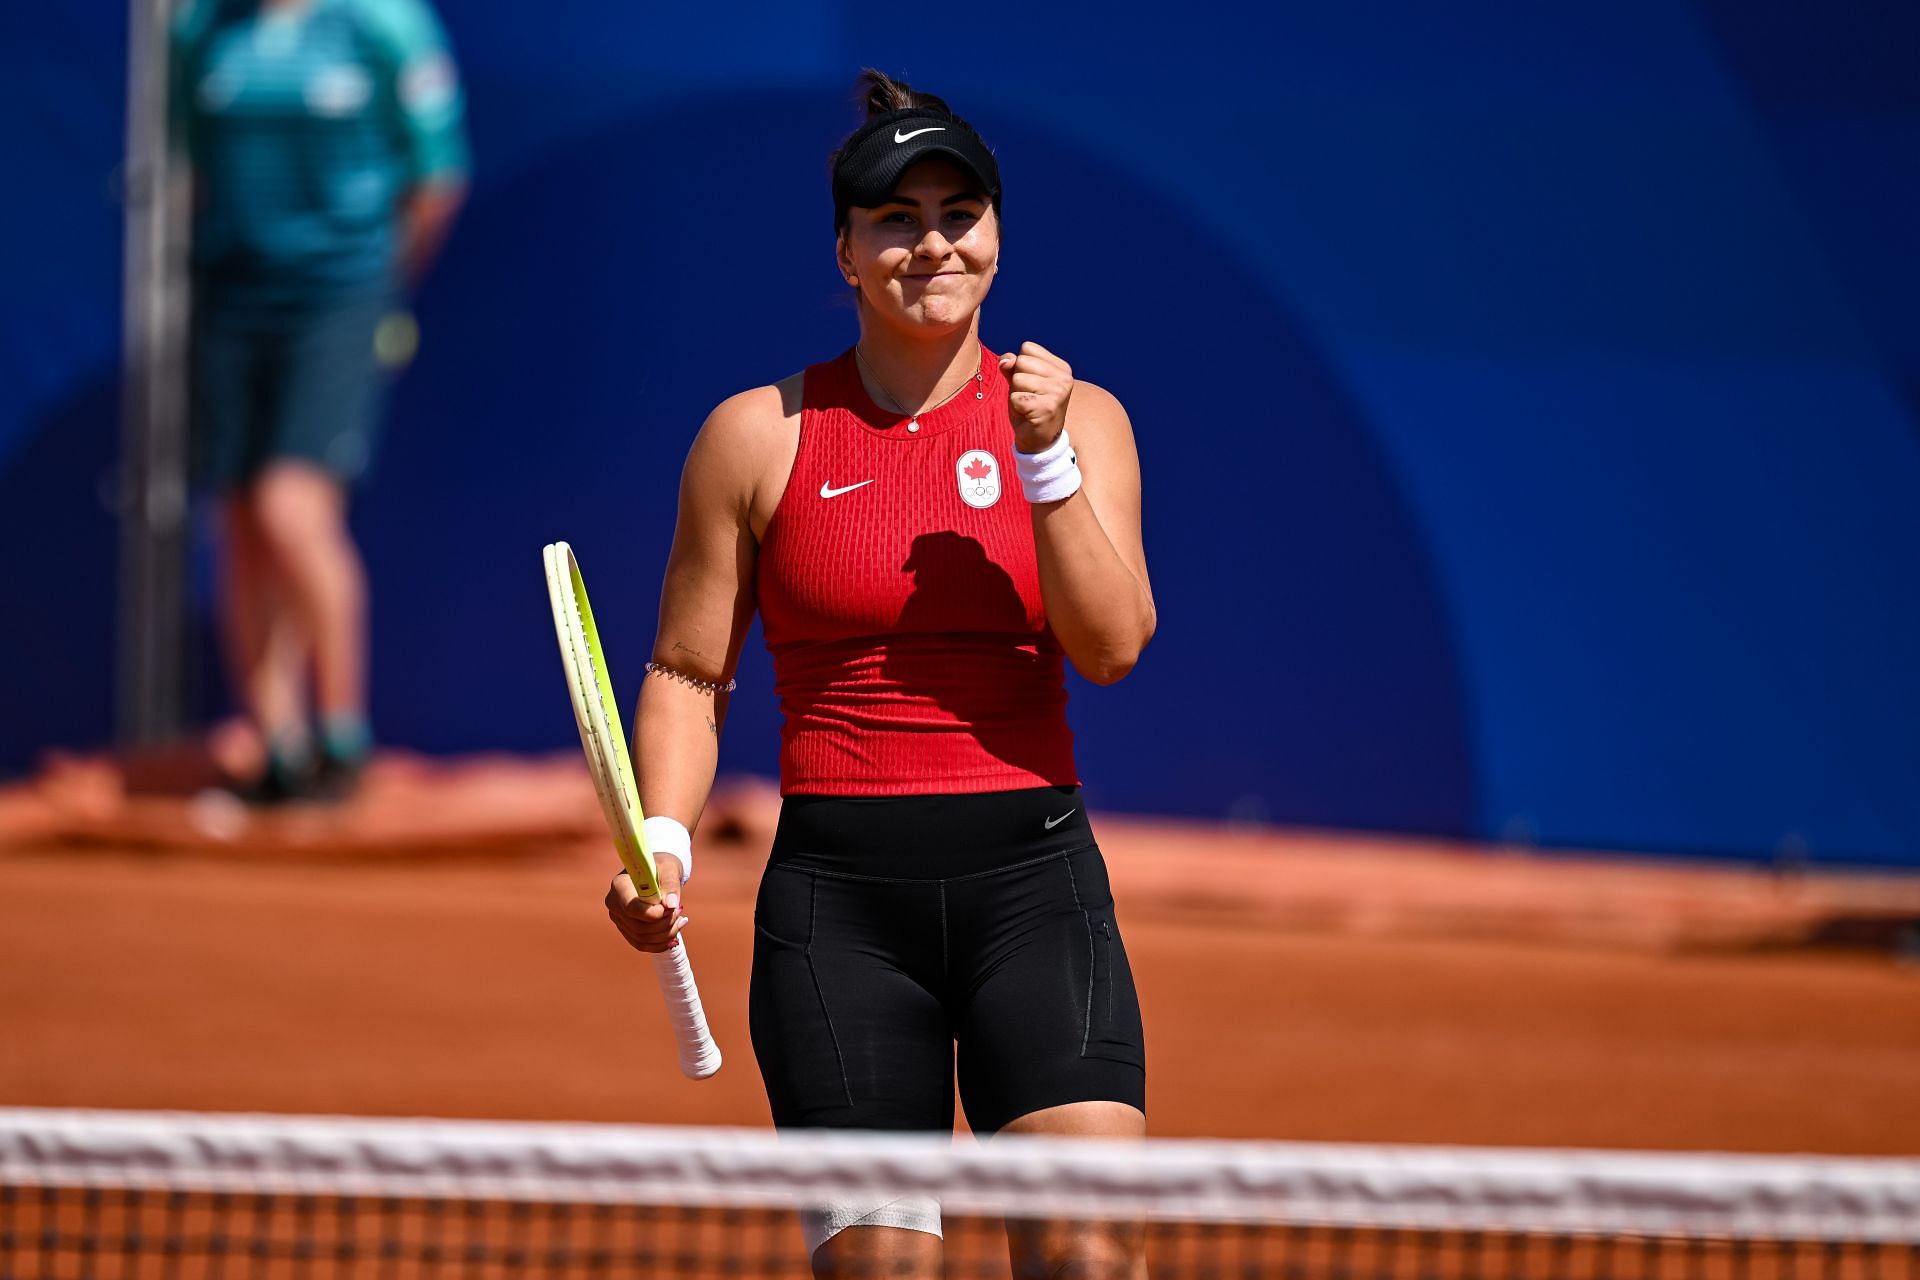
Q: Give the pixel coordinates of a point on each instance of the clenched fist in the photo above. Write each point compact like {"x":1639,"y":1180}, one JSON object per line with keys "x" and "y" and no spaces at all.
{"x":1039,"y":384}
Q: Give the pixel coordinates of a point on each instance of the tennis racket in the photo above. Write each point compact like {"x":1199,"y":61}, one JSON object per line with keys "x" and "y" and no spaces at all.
{"x":598,"y":717}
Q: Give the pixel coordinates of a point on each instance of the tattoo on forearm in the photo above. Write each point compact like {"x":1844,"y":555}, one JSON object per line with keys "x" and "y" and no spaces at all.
{"x":681,"y":648}
{"x":713,"y":727}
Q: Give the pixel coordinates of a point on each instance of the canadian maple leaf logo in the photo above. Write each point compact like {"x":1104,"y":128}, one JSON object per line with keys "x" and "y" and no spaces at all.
{"x":979,"y":469}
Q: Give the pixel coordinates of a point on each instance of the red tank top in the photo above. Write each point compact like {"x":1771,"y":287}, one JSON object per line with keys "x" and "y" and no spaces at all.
{"x":900,"y":596}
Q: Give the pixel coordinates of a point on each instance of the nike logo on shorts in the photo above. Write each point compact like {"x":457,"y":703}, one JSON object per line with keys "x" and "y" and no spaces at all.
{"x":828,"y":491}
{"x":1054,"y":822}
{"x":932,"y":128}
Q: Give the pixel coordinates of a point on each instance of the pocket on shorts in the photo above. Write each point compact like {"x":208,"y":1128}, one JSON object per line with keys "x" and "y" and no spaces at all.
{"x":792,"y":1030}
{"x":1113,"y":1026}
{"x":783,"y":909}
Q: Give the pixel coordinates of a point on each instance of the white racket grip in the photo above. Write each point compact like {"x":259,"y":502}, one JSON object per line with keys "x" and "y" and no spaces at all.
{"x":699,"y":1055}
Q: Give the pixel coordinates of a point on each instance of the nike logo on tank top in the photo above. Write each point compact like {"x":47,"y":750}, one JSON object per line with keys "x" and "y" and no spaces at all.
{"x":910,"y":647}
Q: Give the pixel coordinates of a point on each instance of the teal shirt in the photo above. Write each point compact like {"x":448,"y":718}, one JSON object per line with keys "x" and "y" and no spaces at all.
{"x":304,"y":130}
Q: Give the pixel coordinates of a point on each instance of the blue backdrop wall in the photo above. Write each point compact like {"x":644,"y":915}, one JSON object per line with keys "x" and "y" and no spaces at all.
{"x":1526,"y":394}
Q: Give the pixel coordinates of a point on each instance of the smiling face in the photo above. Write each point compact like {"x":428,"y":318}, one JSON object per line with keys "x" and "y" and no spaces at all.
{"x":924,"y":260}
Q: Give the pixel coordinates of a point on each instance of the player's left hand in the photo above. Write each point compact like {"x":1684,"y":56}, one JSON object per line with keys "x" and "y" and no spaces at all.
{"x":1039,"y":384}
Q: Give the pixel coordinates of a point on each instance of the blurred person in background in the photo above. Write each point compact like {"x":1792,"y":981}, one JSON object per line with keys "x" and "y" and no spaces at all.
{"x":328,"y":158}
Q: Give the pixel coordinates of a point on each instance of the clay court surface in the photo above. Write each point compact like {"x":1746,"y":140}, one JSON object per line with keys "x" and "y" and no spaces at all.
{"x":1296,"y":986}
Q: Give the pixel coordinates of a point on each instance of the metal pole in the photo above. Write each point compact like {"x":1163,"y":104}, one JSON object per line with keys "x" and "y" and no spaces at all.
{"x":153,"y":471}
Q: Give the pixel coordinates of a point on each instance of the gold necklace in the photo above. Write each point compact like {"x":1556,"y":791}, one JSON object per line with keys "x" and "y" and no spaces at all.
{"x":979,"y":378}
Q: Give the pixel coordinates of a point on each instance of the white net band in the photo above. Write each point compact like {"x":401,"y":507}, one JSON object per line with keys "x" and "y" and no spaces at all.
{"x":1400,"y":1187}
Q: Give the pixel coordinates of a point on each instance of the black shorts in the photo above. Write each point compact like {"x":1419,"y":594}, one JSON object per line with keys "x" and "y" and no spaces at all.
{"x":888,"y":931}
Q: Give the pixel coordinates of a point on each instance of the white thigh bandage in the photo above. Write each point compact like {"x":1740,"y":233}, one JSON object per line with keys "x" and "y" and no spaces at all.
{"x":915,"y":1213}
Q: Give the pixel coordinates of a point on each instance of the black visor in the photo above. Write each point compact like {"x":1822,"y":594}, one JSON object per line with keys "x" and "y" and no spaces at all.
{"x":871,"y":162}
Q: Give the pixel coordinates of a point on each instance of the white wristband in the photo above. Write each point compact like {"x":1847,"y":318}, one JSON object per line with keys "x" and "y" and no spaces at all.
{"x":1051,"y":474}
{"x":666,"y":835}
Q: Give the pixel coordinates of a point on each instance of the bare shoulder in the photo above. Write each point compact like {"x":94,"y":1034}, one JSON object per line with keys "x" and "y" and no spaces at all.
{"x":746,"y":423}
{"x":747,"y":446}
{"x":1097,"y":418}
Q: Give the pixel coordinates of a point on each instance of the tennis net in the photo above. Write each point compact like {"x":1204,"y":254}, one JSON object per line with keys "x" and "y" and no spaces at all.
{"x":96,"y":1195}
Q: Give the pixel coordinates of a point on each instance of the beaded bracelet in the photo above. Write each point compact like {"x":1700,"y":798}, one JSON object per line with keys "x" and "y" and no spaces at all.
{"x":692,"y":682}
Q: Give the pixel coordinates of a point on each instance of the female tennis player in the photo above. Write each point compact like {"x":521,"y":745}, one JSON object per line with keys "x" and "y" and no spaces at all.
{"x":928,"y":529}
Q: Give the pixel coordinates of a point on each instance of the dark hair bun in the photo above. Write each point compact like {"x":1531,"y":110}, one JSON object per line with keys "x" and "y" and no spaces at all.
{"x":880,"y":93}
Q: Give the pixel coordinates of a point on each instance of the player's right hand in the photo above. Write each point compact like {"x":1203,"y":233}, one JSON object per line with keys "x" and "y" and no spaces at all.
{"x":648,"y":926}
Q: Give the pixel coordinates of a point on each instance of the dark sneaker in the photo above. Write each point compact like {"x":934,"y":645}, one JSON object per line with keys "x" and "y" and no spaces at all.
{"x":281,"y":782}
{"x":336,"y":777}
